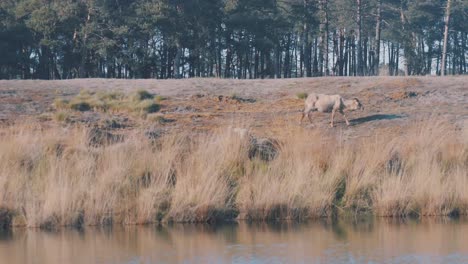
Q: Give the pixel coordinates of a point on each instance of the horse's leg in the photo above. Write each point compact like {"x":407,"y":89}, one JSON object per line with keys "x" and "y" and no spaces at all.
{"x":346,"y":119}
{"x":332,"y":117}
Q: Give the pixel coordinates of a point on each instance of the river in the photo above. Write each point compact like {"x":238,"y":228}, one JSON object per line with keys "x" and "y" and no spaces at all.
{"x":368,"y":240}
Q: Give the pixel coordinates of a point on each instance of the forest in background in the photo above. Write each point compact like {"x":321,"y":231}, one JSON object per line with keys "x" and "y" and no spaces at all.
{"x":245,"y":39}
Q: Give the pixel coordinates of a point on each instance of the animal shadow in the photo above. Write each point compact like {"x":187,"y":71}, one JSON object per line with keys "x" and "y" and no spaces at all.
{"x":371,"y":118}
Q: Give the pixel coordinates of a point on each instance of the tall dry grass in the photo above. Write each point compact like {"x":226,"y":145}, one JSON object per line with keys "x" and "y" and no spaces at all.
{"x":53,"y":176}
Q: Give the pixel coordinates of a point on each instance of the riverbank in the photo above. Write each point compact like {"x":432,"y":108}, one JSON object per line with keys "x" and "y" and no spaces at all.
{"x":206,"y":150}
{"x":55,"y":176}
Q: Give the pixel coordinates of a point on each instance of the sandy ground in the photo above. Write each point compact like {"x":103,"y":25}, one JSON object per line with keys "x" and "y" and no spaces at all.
{"x":265,"y":106}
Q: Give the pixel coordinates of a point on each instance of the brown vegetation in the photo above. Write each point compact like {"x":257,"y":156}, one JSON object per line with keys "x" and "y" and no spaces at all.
{"x":52,"y":176}
{"x":228,"y":149}
{"x":140,"y":101}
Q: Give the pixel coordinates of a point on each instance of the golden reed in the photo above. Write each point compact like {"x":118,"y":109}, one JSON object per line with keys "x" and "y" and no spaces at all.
{"x":53,"y":176}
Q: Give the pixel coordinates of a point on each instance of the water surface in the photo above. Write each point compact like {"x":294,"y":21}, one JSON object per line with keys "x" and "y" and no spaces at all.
{"x":323,"y":241}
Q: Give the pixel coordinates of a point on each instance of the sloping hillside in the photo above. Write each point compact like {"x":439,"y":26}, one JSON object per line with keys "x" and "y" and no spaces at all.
{"x":262,"y":105}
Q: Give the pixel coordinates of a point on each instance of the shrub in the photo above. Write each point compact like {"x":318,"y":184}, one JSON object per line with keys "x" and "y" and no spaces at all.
{"x":157,"y":118}
{"x":140,"y":101}
{"x":301,"y":95}
{"x":97,"y":104}
{"x":44,"y":117}
{"x":81,"y":106}
{"x":146,"y":106}
{"x":159,"y":98}
{"x":110,"y":96}
{"x":62,"y":116}
{"x":85,"y":94}
{"x":141,"y":95}
{"x":60,"y":103}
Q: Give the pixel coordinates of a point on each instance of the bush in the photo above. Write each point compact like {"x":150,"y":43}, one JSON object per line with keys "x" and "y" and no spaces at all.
{"x":97,"y":104}
{"x":301,"y":95}
{"x":62,"y":116}
{"x":146,"y":106}
{"x":141,"y":95}
{"x":44,"y":117}
{"x":140,"y":101}
{"x":81,"y":106}
{"x":60,"y":103}
{"x":110,"y":96}
{"x":85,"y":94}
{"x":158,"y":118}
{"x":159,"y":98}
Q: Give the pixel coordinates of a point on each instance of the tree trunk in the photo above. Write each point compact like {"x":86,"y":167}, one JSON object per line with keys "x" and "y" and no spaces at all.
{"x":307,"y":54}
{"x":439,"y":57}
{"x":446,"y":32}
{"x":227,"y":70}
{"x":286,"y":67}
{"x":429,"y":59}
{"x":359,"y":40}
{"x":397,"y":63}
{"x":341,"y":56}
{"x":323,"y":52}
{"x":391,"y":59}
{"x":405,"y":43}
{"x":325,"y":9}
{"x":378,"y":30}
{"x":315,"y":60}
{"x":84,"y":51}
{"x":177,"y":58}
{"x":43,"y":69}
{"x":462,"y":53}
{"x":277,"y":62}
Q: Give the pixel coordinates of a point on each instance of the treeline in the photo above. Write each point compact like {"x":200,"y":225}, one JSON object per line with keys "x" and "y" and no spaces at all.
{"x":62,"y":39}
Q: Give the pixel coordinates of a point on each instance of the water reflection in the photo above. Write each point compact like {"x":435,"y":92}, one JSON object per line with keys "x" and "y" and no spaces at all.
{"x":440,"y":240}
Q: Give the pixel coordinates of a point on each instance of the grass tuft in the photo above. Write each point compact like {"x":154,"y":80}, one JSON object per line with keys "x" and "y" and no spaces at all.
{"x":62,"y":116}
{"x":81,"y":106}
{"x":141,"y":102}
{"x":60,"y":103}
{"x":159,"y":98}
{"x":141,"y":95}
{"x":302,"y":95}
{"x":146,"y":106}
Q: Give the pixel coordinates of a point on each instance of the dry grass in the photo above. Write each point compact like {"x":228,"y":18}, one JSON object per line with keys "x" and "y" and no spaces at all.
{"x":301,"y":95}
{"x":140,"y":101}
{"x":52,"y":176}
{"x":204,"y":104}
